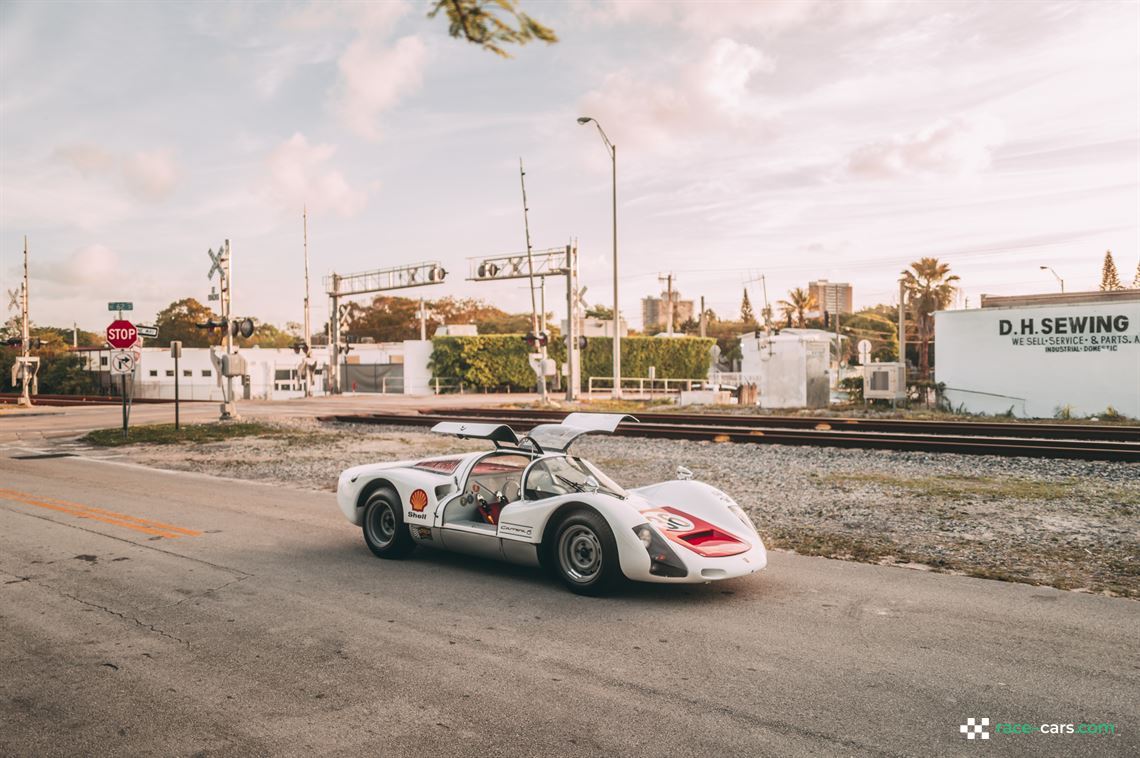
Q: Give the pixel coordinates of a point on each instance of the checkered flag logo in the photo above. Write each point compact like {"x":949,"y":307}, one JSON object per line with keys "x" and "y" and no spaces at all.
{"x":975,"y":729}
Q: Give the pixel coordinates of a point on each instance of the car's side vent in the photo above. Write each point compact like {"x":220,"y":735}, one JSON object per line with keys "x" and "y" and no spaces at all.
{"x":441,"y":491}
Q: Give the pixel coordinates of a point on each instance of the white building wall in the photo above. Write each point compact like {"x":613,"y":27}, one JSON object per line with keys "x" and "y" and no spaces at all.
{"x":790,"y":368}
{"x":1039,"y":359}
{"x":417,"y":374}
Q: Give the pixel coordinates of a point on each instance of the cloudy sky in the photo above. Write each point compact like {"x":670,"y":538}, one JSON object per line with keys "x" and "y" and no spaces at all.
{"x":790,"y":138}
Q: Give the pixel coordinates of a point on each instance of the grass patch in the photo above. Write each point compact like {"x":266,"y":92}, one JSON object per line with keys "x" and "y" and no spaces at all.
{"x":165,"y":434}
{"x":956,"y":486}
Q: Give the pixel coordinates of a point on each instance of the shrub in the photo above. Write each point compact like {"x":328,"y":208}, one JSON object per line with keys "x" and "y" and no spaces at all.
{"x":500,"y":360}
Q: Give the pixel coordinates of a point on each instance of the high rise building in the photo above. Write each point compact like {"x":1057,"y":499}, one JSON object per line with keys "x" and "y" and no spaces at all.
{"x":833,"y":297}
{"x":655,"y":312}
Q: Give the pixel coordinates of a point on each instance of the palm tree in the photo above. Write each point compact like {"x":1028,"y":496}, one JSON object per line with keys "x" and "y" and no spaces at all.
{"x":929,"y":287}
{"x":798,"y":303}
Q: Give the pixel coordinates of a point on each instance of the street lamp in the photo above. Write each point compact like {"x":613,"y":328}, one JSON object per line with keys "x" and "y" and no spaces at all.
{"x":612,"y":149}
{"x":1054,"y":273}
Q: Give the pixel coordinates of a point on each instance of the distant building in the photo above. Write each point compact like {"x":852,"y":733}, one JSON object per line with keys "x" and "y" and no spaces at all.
{"x":596,"y":327}
{"x":655,"y":312}
{"x":833,"y":297}
{"x":457,"y":330}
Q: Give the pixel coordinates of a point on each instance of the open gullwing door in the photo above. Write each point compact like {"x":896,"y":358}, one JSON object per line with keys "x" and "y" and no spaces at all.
{"x":559,"y":437}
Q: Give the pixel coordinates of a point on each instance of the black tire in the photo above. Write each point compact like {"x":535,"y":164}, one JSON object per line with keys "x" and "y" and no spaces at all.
{"x":383,"y":526}
{"x":584,"y":554}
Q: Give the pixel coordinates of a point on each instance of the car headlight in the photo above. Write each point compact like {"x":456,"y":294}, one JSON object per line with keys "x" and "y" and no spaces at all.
{"x":662,"y":560}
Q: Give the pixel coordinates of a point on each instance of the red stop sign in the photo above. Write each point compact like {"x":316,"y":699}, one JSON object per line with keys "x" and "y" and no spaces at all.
{"x":122,"y":334}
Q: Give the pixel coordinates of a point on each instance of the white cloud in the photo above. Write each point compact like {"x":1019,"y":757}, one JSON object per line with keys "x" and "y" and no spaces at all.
{"x":950,"y":147}
{"x":299,"y":175}
{"x":714,"y":92}
{"x":93,"y":265}
{"x":726,"y":16}
{"x":147,"y":174}
{"x":374,"y":77}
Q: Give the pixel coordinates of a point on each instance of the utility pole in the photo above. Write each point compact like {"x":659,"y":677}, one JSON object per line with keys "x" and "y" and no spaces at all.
{"x":308,"y":329}
{"x":573,"y":299}
{"x":423,"y":320}
{"x":902,"y":323}
{"x":533,"y":306}
{"x":229,"y":409}
{"x":668,"y":279}
{"x":25,"y":334}
{"x":702,"y":322}
{"x":766,"y":311}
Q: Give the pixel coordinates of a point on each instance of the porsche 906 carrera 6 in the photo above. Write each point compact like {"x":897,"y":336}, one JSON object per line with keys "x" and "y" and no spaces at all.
{"x":529,"y":501}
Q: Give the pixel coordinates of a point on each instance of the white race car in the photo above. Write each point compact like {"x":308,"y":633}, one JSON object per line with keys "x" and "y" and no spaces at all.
{"x":529,"y":502}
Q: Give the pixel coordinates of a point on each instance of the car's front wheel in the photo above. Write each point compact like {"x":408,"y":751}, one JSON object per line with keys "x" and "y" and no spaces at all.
{"x":584,"y":554}
{"x":384,"y":530}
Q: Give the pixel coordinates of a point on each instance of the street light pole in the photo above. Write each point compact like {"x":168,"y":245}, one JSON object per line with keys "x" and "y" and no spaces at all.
{"x":1054,"y":273}
{"x":612,"y":149}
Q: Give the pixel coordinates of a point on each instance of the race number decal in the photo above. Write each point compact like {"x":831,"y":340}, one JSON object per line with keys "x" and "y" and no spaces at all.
{"x":670,"y":522}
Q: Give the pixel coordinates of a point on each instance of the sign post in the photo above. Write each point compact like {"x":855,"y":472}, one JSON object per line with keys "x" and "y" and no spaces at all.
{"x":176,"y":353}
{"x":122,"y":335}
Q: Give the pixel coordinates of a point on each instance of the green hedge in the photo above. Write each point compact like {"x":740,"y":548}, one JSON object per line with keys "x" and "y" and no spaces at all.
{"x":500,"y":360}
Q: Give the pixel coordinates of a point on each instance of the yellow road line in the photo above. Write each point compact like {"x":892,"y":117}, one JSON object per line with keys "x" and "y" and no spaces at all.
{"x":146,"y":526}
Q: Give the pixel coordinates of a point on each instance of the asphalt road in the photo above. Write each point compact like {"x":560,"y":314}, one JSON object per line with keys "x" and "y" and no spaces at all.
{"x":154,"y":613}
{"x":46,"y":422}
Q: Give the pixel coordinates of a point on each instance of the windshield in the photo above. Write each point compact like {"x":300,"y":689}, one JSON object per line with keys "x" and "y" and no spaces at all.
{"x":562,"y":475}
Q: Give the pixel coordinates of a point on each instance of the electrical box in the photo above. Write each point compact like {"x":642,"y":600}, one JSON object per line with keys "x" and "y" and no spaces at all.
{"x":884,"y":381}
{"x":233,"y":365}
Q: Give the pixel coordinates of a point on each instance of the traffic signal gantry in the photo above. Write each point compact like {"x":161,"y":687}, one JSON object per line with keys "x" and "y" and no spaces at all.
{"x":339,"y":286}
{"x":555,"y":261}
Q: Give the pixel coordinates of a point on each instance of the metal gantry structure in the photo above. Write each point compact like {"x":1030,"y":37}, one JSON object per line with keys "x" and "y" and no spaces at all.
{"x":555,"y":261}
{"x":340,"y":286}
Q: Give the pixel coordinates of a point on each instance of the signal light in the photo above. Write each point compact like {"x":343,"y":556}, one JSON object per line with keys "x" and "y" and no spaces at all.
{"x":212,"y":324}
{"x":242,"y":328}
{"x":581,"y":342}
{"x":299,"y":347}
{"x":13,"y":342}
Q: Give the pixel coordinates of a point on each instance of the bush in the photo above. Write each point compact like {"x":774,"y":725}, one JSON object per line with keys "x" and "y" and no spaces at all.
{"x":853,"y":386}
{"x":500,"y":360}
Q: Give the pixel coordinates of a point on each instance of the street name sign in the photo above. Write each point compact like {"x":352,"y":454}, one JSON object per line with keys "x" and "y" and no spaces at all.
{"x":150,"y":332}
{"x":123,"y":306}
{"x":122,"y":334}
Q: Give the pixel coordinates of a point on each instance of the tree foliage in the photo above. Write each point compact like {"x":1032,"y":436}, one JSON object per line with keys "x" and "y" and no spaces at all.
{"x":929,"y":287}
{"x":491,"y":23}
{"x":746,"y":313}
{"x":795,"y":308}
{"x":393,"y":319}
{"x":1136,"y":279}
{"x":1109,"y":278}
{"x":178,"y":320}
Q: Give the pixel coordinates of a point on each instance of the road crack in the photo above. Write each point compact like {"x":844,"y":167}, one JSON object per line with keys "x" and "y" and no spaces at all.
{"x":137,"y":621}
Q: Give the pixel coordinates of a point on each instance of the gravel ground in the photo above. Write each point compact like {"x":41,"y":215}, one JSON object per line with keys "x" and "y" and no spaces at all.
{"x":1069,"y":524}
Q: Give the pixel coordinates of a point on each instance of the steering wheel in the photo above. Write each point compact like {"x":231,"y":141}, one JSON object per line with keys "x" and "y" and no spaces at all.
{"x":511,"y":491}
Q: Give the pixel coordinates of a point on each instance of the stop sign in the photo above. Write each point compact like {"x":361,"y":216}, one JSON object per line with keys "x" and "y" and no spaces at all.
{"x":122,"y":334}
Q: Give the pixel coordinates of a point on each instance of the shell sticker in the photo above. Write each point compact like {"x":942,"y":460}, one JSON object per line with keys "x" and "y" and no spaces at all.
{"x":418,"y":501}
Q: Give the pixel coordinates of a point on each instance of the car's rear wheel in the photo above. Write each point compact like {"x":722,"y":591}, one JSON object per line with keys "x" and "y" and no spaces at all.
{"x":584,"y":554}
{"x":384,"y":529}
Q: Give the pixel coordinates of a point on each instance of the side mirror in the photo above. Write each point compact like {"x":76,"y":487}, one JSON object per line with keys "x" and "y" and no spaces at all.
{"x":591,"y":484}
{"x":684,"y":473}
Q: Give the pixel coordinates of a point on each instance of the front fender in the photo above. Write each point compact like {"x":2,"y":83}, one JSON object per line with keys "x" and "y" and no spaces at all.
{"x":701,"y":500}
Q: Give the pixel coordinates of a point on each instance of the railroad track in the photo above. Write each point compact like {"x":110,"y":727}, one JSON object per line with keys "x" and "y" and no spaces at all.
{"x":10,"y":398}
{"x":1079,"y":441}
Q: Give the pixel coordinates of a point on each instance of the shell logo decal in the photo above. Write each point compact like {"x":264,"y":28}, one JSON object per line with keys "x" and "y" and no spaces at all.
{"x":418,"y":501}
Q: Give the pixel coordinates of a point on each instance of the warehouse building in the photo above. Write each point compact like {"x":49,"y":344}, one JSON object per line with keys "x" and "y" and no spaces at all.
{"x":1040,"y":356}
